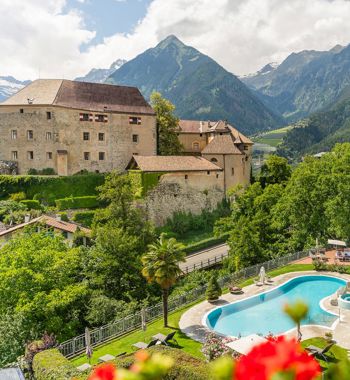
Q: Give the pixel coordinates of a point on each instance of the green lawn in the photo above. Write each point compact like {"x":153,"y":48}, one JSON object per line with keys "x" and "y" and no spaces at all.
{"x":188,"y":345}
{"x":334,"y":355}
{"x":124,"y":344}
{"x":272,"y":138}
{"x":192,"y":237}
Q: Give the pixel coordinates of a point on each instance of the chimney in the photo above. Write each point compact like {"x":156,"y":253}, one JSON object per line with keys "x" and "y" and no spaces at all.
{"x":208,"y":123}
{"x":58,"y":217}
{"x":26,"y":218}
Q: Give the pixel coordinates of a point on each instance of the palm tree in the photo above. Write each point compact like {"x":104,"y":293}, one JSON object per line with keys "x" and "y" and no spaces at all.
{"x":161,"y":265}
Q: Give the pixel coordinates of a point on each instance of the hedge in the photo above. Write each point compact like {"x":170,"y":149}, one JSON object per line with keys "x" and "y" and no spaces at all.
{"x":46,"y":189}
{"x":31,"y":204}
{"x":207,"y":243}
{"x":89,"y":201}
{"x":186,"y":367}
{"x":52,"y":365}
{"x":84,"y":217}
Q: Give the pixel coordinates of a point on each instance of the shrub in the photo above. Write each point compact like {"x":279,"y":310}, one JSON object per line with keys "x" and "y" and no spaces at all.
{"x":17,"y":197}
{"x":45,"y":171}
{"x":84,"y":218}
{"x":47,"y":189}
{"x":213,"y":291}
{"x":186,"y":367}
{"x":89,"y":201}
{"x":17,"y":217}
{"x":182,"y":222}
{"x":47,"y":341}
{"x":8,"y":207}
{"x":215,"y":347}
{"x":64,"y":216}
{"x":52,"y":365}
{"x":31,"y":204}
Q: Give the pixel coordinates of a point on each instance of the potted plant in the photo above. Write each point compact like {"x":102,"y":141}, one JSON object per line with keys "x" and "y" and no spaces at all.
{"x":213,"y":291}
{"x":328,"y":336}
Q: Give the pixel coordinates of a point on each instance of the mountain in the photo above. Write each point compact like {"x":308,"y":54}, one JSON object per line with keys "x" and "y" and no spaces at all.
{"x":198,"y":86}
{"x":100,"y":75}
{"x":304,"y":82}
{"x":318,"y":133}
{"x":9,"y":86}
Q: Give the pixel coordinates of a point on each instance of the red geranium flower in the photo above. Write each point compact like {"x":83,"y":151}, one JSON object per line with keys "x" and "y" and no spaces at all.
{"x":282,"y":355}
{"x":104,"y":372}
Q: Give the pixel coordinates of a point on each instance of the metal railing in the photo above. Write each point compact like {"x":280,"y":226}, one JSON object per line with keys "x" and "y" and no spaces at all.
{"x":75,"y":346}
{"x":204,"y":263}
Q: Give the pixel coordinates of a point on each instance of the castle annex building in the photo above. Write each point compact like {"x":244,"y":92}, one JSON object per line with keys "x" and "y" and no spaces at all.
{"x":72,"y":126}
{"x":221,"y":144}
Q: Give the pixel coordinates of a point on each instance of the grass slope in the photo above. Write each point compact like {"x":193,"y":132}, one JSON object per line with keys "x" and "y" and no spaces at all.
{"x":334,"y":355}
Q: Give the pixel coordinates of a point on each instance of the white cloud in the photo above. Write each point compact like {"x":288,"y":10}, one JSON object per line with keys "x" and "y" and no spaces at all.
{"x":36,"y":37}
{"x":242,"y":35}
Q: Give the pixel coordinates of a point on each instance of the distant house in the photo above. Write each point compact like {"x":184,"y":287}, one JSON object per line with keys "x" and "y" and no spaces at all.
{"x":56,"y":225}
{"x":222,"y":144}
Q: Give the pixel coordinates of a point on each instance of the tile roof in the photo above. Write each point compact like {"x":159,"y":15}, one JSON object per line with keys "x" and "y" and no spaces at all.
{"x":221,"y":144}
{"x":197,"y":126}
{"x":172,"y":164}
{"x":82,"y":95}
{"x":49,"y":221}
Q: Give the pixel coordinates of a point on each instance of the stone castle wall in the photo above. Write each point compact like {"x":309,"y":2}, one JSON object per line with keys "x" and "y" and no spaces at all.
{"x":57,"y":141}
{"x":174,"y":195}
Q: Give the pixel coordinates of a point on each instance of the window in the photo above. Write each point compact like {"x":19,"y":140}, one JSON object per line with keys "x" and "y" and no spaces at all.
{"x":30,"y":135}
{"x":85,"y":117}
{"x":186,"y":176}
{"x":14,"y":134}
{"x":86,"y":156}
{"x":21,"y":110}
{"x":245,"y":147}
{"x":195,"y":145}
{"x":208,"y":172}
{"x":49,"y":155}
{"x":135,"y":138}
{"x":48,"y":115}
{"x":214,"y":160}
{"x":30,"y":155}
{"x":86,"y":136}
{"x":217,"y":176}
{"x":134,"y":120}
{"x":14,"y":155}
{"x":232,"y":171}
{"x":48,"y":136}
{"x":201,"y":134}
{"x":101,"y":137}
{"x":101,"y":118}
{"x":101,"y":156}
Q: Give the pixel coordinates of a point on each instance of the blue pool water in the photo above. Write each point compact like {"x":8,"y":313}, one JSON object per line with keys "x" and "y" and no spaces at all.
{"x":263,"y":313}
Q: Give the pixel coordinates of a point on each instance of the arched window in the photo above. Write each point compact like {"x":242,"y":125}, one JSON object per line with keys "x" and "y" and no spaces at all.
{"x":214,"y":160}
{"x":195,"y":145}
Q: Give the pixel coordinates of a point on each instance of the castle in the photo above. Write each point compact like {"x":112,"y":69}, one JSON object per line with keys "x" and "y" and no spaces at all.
{"x":71,"y":126}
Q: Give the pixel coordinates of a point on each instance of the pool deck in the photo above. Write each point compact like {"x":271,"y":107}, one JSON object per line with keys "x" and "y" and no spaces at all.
{"x":191,"y":321}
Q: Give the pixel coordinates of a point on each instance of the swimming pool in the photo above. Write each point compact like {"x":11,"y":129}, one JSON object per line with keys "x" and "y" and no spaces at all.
{"x":263,"y":313}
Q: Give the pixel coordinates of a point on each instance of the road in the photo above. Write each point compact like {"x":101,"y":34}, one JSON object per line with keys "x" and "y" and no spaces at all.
{"x":204,"y":256}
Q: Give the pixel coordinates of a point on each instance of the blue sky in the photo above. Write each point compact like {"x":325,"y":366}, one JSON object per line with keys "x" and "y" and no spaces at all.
{"x":107,"y":17}
{"x":67,"y":38}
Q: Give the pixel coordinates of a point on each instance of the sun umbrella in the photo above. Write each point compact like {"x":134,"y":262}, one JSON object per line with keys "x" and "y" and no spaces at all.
{"x":262,"y":275}
{"x":88,"y":343}
{"x":143,"y":319}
